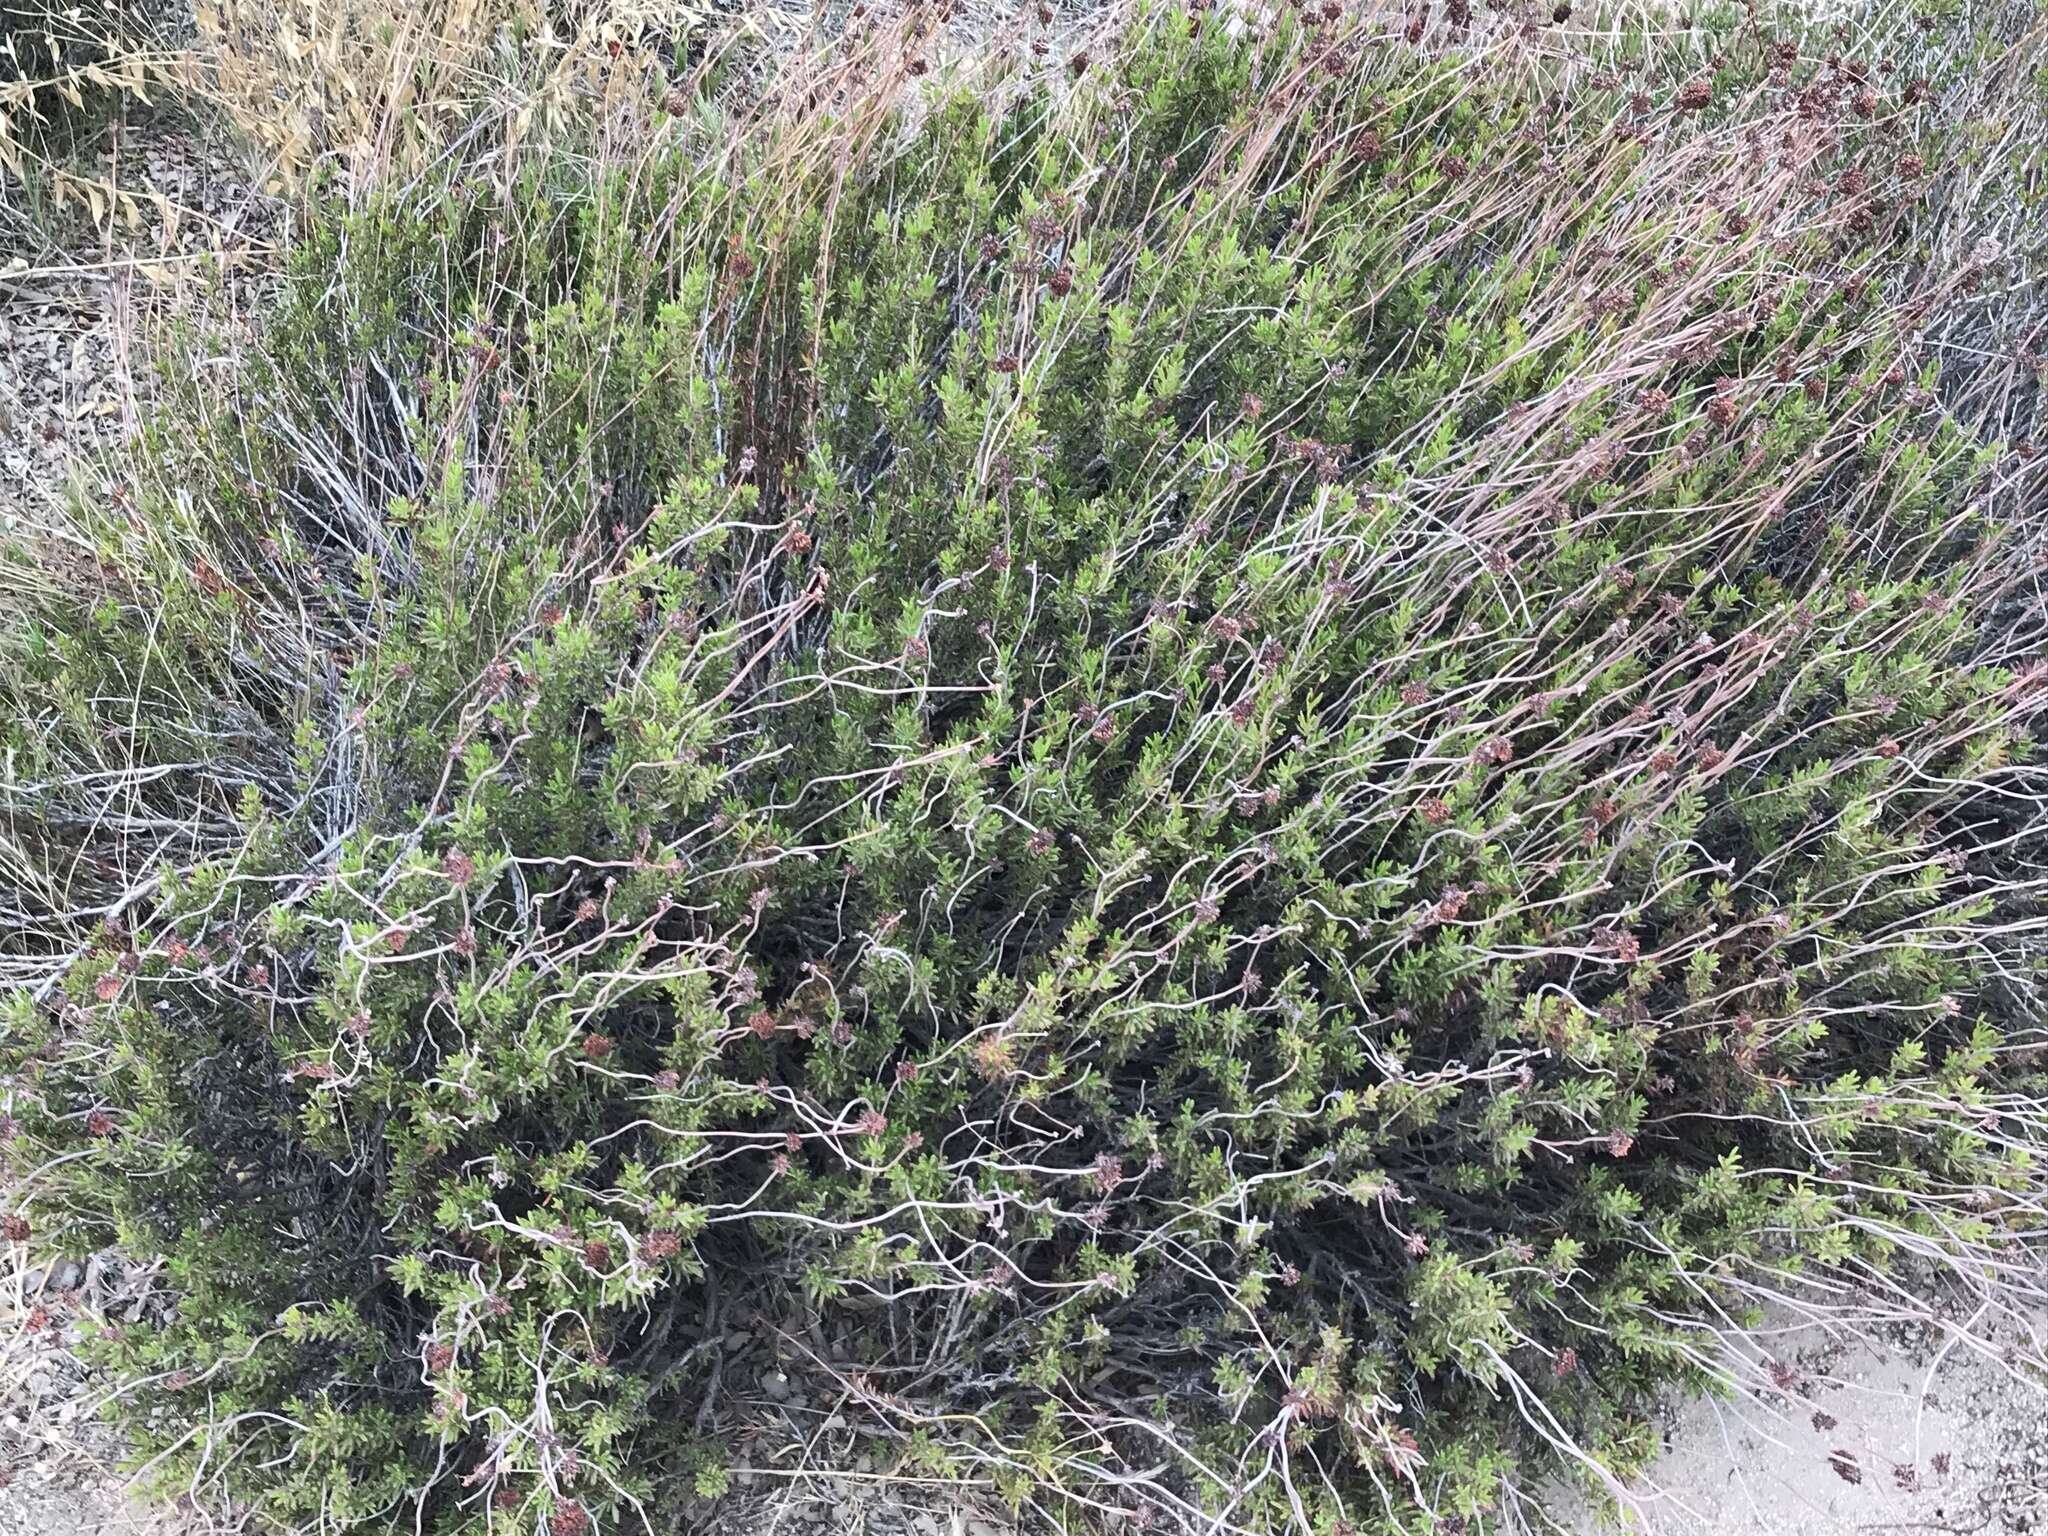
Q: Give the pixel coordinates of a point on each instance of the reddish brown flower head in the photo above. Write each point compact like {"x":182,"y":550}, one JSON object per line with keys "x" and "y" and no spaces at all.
{"x":439,"y":1358}
{"x":597,"y":1047}
{"x":1109,"y":1172}
{"x":108,"y":987}
{"x":1721,"y":411}
{"x":667,"y":1079}
{"x":505,"y":1496}
{"x":1061,"y":282}
{"x":1413,"y":694}
{"x":761,"y":1022}
{"x":597,"y":1253}
{"x":1435,"y":811}
{"x":1566,"y":1362}
{"x":458,"y":867}
{"x":99,"y":1123}
{"x":661,"y":1244}
{"x":14,"y":1228}
{"x":1695,"y":96}
{"x":568,"y":1520}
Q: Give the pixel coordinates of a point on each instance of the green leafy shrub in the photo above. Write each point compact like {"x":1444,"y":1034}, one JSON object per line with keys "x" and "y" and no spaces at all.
{"x":1272,"y":771}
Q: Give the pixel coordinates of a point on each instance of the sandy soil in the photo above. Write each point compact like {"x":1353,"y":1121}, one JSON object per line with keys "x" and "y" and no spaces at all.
{"x":1905,"y":1433}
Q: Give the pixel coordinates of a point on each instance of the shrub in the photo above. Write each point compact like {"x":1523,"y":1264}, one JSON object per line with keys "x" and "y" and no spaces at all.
{"x":1271,"y":770}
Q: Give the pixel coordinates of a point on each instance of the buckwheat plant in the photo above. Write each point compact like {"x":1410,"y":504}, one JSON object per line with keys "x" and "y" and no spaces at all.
{"x":1252,"y":764}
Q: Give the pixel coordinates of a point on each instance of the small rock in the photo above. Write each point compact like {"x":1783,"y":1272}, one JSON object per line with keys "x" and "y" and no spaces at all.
{"x":776,"y":1385}
{"x":65,"y":1276}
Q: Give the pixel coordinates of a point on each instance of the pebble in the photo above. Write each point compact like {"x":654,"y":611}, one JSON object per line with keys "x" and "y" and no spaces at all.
{"x":776,"y":1385}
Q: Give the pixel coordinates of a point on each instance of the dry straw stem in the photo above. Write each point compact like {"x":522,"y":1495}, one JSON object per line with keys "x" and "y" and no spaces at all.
{"x":380,"y":89}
